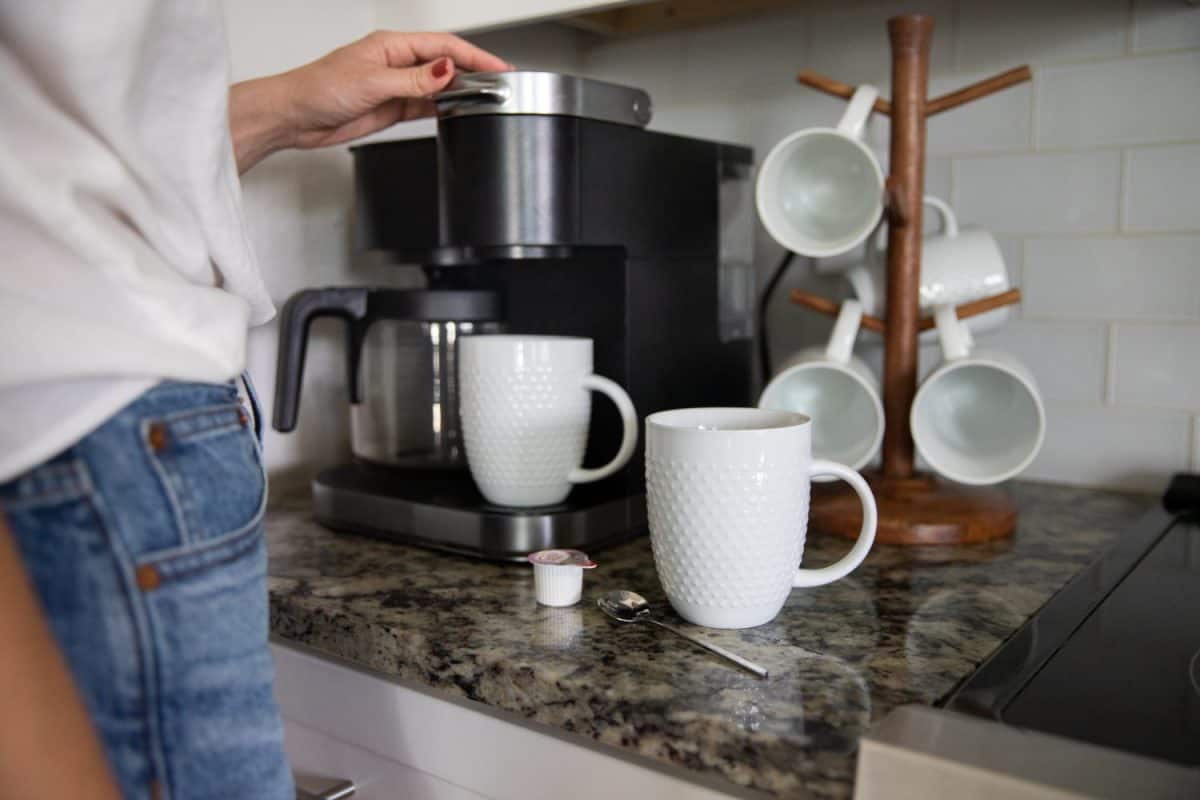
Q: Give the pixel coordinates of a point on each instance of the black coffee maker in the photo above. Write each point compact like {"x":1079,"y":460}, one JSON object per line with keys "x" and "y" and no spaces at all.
{"x":545,"y":192}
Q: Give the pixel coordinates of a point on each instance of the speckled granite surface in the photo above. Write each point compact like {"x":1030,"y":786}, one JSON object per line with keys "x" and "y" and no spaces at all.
{"x":904,"y":628}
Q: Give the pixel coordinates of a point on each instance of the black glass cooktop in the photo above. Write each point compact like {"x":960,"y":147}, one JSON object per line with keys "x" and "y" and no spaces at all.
{"x":1113,"y":659}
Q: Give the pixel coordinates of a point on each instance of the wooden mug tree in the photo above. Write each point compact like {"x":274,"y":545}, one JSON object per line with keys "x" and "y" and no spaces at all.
{"x":913,"y":508}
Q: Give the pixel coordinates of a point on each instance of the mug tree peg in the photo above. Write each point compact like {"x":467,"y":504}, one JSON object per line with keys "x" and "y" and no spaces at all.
{"x":897,"y":213}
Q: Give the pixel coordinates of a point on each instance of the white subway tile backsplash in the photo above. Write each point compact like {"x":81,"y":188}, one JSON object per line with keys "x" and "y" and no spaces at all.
{"x":849,"y":40}
{"x":998,"y":123}
{"x":1162,"y":189}
{"x":1158,"y":365}
{"x":655,"y":63}
{"x":1067,"y":359}
{"x":559,"y":48}
{"x":1133,"y":449}
{"x":995,"y":35}
{"x":1039,"y":193}
{"x":759,"y":55}
{"x":722,"y":124}
{"x":1165,"y":25}
{"x":1144,"y":277}
{"x":1124,"y":101}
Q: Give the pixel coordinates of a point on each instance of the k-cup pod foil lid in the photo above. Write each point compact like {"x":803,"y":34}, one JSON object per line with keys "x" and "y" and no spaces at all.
{"x":561,"y":558}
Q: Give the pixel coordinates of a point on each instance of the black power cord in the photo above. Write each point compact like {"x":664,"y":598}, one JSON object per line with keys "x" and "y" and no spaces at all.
{"x":764,"y":350}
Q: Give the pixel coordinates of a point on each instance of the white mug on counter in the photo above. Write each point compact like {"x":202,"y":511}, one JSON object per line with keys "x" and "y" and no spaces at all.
{"x":958,"y":265}
{"x":978,"y":418}
{"x":820,"y":190}
{"x":727,"y":495}
{"x":525,"y":414}
{"x":838,"y":391}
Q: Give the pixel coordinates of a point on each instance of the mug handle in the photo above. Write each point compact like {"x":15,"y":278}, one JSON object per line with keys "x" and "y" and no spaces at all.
{"x":949,"y":221}
{"x":955,"y":336}
{"x":866,"y":536}
{"x":845,"y":330}
{"x":854,"y":119}
{"x":629,"y":423}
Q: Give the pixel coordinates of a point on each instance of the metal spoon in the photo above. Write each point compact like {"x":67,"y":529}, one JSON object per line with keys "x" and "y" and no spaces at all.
{"x":626,"y":606}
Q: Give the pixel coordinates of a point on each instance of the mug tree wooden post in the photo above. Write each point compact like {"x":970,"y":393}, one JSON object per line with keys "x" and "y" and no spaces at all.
{"x":913,"y":508}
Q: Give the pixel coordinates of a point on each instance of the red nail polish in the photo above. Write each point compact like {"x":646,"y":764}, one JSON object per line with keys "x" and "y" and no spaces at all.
{"x":440,"y":67}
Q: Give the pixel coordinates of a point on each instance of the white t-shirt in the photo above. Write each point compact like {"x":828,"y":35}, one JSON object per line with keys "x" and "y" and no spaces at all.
{"x":123,"y":256}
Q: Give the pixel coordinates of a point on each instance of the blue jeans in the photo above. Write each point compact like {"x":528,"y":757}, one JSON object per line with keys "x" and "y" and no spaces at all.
{"x":145,"y":544}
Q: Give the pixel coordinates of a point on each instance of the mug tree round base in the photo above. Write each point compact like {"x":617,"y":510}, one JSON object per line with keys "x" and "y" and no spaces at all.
{"x":917,"y":510}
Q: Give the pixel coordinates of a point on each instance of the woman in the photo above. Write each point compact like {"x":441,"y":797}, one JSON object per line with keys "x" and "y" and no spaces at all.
{"x":133,"y":609}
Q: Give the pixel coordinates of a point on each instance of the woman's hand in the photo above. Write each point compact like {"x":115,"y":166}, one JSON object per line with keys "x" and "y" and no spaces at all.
{"x":381,"y":79}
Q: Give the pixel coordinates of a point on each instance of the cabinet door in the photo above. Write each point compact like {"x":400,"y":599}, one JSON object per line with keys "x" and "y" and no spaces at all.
{"x":398,"y":740}
{"x":475,"y":15}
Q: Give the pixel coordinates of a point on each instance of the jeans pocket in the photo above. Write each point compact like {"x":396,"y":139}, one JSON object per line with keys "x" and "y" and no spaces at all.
{"x":206,"y":601}
{"x":211,"y":470}
{"x":220,"y":724}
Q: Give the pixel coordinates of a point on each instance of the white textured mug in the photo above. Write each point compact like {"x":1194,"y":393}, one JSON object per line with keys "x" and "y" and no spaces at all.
{"x":820,"y":190}
{"x":978,"y":418}
{"x":727,"y":495}
{"x":838,"y":391}
{"x":958,"y":265}
{"x":525,"y":414}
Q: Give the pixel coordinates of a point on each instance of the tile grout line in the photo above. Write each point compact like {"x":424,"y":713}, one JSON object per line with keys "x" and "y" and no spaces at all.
{"x":1194,"y":445}
{"x":1110,"y":366}
{"x":1020,"y":281}
{"x":1131,"y":28}
{"x":1123,"y":191}
{"x":1035,"y":89}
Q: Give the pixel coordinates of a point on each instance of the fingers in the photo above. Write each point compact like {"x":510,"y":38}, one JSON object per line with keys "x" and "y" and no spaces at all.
{"x":420,"y":81}
{"x":406,"y":49}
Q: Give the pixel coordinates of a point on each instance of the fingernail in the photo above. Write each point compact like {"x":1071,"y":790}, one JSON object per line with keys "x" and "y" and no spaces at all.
{"x":441,"y":67}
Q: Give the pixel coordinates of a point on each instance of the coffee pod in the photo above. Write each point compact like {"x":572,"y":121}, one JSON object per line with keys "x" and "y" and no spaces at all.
{"x":558,"y":576}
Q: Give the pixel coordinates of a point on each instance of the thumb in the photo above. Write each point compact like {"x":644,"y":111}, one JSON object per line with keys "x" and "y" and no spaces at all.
{"x":421,"y":80}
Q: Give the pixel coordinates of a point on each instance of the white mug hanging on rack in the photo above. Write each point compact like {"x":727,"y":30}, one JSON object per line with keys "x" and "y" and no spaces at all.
{"x":820,"y":190}
{"x":978,"y":418}
{"x":958,"y":265}
{"x":837,"y":390}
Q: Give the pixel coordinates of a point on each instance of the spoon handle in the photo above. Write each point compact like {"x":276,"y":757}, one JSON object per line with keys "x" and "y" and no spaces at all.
{"x":721,"y":651}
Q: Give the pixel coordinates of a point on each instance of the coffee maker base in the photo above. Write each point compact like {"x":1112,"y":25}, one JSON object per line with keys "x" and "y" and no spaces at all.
{"x":446,"y":512}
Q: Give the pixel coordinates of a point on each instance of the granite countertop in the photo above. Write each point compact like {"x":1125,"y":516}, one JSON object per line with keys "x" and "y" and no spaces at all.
{"x":905,"y":628}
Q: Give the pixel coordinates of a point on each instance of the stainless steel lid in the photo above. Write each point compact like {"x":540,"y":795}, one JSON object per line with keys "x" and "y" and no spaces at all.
{"x":543,"y":93}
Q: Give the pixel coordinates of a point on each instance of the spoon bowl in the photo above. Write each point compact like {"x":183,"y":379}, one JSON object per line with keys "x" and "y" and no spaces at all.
{"x":626,"y":606}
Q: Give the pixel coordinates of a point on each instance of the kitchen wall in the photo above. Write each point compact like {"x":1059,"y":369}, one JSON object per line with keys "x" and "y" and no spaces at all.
{"x":1090,"y":178}
{"x":299,"y":208}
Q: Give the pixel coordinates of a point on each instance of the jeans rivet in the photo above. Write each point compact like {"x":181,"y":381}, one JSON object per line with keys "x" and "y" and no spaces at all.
{"x":157,"y":437}
{"x":243,"y":419}
{"x":148,"y":577}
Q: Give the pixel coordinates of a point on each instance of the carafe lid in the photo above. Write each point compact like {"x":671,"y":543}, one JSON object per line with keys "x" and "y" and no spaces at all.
{"x":543,"y":94}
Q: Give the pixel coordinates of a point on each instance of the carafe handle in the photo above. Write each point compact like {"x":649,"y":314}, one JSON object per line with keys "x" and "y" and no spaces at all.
{"x":348,"y":303}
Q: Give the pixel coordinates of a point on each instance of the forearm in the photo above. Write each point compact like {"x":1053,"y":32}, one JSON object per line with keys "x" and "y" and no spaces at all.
{"x":259,"y":122}
{"x":48,"y":748}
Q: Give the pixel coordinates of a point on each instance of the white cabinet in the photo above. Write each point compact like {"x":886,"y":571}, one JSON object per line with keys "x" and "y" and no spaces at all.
{"x":396,"y":740}
{"x":475,"y":15}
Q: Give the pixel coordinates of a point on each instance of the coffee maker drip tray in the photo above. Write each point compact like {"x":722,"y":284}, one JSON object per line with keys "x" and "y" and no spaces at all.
{"x":446,"y":512}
